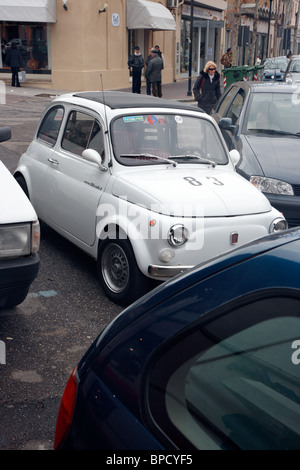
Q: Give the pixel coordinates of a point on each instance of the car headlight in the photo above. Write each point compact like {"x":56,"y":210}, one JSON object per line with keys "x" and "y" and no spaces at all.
{"x":278,"y":225}
{"x":272,"y":186}
{"x":19,"y":240}
{"x":177,"y":235}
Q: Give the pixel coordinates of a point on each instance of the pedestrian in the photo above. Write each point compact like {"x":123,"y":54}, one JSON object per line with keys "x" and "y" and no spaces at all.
{"x":136,"y":65}
{"x":148,"y":83}
{"x":14,"y":60}
{"x":153,"y":72}
{"x":207,"y":88}
{"x":290,"y":55}
{"x":226,"y":58}
{"x":160,"y":55}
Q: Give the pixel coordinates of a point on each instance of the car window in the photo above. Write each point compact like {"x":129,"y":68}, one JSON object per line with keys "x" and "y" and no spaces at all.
{"x":224,"y":103}
{"x":139,"y":139}
{"x":50,"y":126}
{"x":236,"y":106}
{"x":82,"y":131}
{"x":236,"y":380}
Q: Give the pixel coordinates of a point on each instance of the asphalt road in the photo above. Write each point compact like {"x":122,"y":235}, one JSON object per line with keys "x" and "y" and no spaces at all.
{"x":48,"y":333}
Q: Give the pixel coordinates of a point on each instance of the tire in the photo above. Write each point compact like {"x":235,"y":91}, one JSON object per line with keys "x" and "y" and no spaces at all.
{"x":20,"y":179}
{"x":14,"y":300}
{"x":118,"y":272}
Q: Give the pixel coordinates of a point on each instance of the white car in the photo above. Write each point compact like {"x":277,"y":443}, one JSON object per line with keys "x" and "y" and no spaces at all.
{"x":19,"y":238}
{"x":144,"y":185}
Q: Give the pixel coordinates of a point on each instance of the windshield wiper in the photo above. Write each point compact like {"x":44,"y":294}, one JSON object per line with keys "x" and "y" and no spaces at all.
{"x":147,"y":155}
{"x":277,"y":132}
{"x":202,"y":159}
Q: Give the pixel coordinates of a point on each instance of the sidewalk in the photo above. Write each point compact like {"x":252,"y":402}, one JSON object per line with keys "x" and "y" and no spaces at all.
{"x":177,"y":90}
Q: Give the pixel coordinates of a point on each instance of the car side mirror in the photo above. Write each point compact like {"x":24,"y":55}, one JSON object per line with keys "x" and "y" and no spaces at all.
{"x":93,"y":156}
{"x":226,"y":124}
{"x":5,"y":133}
{"x":235,"y":156}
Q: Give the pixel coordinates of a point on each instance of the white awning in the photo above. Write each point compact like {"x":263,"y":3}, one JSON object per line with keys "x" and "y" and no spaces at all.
{"x":142,"y":14}
{"x":35,"y":11}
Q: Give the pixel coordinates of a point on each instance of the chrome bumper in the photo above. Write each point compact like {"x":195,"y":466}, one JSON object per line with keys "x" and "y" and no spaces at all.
{"x":166,"y":271}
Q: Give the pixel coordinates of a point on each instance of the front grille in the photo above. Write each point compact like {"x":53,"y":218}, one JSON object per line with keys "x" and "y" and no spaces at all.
{"x":296,"y":188}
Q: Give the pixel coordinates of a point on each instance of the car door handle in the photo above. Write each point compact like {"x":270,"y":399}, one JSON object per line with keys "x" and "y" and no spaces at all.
{"x":52,"y":160}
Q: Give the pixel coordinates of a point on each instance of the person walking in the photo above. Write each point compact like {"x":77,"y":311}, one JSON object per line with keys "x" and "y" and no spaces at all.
{"x":14,"y":60}
{"x":207,"y":88}
{"x":148,"y":83}
{"x":161,"y":55}
{"x":136,"y":64}
{"x":226,"y":58}
{"x":153,"y":73}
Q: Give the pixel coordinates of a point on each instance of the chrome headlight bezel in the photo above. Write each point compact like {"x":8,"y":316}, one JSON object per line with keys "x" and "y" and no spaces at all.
{"x":272,"y":185}
{"x":278,"y":225}
{"x":178,"y":235}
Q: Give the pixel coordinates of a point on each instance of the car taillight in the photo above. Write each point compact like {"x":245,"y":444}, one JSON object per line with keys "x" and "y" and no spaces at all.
{"x":66,"y":410}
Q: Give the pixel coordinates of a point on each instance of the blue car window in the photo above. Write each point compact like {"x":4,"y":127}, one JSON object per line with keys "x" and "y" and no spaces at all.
{"x":241,"y":389}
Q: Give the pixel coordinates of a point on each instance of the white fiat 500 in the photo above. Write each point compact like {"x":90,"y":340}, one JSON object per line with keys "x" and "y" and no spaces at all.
{"x":144,"y":185}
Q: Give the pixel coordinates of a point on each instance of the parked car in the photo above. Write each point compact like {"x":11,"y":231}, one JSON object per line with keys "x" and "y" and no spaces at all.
{"x":210,"y":360}
{"x":292,"y":73}
{"x":19,"y":238}
{"x":274,"y":68}
{"x":262,"y":121}
{"x":144,"y":185}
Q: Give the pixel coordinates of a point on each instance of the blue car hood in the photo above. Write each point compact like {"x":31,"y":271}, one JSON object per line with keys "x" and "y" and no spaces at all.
{"x":279,"y":157}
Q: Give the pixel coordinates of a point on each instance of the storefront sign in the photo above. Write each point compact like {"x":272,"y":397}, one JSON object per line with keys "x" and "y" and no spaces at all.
{"x":115,"y":19}
{"x":203,"y":13}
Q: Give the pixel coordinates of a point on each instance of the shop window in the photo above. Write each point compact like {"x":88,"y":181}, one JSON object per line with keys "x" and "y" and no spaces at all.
{"x":31,"y":40}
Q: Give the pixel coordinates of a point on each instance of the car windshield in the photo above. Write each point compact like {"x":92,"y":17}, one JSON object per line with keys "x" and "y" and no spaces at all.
{"x":151,"y":139}
{"x":273,"y":113}
{"x":276,"y":64}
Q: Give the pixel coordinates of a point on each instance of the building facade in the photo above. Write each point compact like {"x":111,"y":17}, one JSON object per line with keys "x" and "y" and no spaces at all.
{"x":84,"y":45}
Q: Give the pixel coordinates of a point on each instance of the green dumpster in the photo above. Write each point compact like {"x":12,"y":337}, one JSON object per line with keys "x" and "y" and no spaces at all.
{"x":237,"y":74}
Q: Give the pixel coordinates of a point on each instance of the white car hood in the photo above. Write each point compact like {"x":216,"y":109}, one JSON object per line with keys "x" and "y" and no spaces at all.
{"x":15,"y":207}
{"x":215,"y":192}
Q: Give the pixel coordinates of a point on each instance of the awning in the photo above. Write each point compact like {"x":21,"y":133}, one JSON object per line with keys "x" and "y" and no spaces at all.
{"x":142,"y":14}
{"x":35,"y":11}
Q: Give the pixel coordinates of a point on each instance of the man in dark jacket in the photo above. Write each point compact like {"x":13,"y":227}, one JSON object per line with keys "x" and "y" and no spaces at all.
{"x":207,"y":88}
{"x":153,"y":73}
{"x":14,"y":60}
{"x":136,"y":64}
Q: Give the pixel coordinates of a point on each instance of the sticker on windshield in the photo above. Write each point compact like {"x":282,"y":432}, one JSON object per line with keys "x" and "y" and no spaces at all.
{"x":133,"y":118}
{"x":178,"y":119}
{"x":152,"y":119}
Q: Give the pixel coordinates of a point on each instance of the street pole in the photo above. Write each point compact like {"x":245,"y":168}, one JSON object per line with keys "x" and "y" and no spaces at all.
{"x":269,"y":24}
{"x":189,"y":93}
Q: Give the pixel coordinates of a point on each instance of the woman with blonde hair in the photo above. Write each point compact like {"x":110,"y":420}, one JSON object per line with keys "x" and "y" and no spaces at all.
{"x":207,"y":88}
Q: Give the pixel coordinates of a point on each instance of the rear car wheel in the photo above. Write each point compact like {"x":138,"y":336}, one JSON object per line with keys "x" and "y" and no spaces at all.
{"x":118,"y":271}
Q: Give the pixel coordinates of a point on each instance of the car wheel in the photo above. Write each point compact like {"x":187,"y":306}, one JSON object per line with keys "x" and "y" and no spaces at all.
{"x":118,"y":271}
{"x":20,"y":179}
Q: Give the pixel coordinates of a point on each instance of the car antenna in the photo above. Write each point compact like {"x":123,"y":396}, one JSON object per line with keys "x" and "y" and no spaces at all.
{"x":106,"y":120}
{"x":102,"y":89}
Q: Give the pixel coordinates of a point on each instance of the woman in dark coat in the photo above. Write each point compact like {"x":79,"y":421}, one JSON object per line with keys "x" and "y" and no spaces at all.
{"x":207,"y":88}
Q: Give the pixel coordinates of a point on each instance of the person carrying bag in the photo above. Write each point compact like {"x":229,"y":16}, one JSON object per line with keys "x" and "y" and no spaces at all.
{"x":207,"y":88}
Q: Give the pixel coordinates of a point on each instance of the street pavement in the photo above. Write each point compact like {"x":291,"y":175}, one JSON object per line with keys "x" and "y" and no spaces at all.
{"x":179,"y":90}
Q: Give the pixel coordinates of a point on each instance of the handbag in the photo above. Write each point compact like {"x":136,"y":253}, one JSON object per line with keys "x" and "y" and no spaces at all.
{"x":201,"y":86}
{"x":22,"y":76}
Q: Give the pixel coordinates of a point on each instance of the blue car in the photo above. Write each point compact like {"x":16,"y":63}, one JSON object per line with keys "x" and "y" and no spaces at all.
{"x":208,"y":360}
